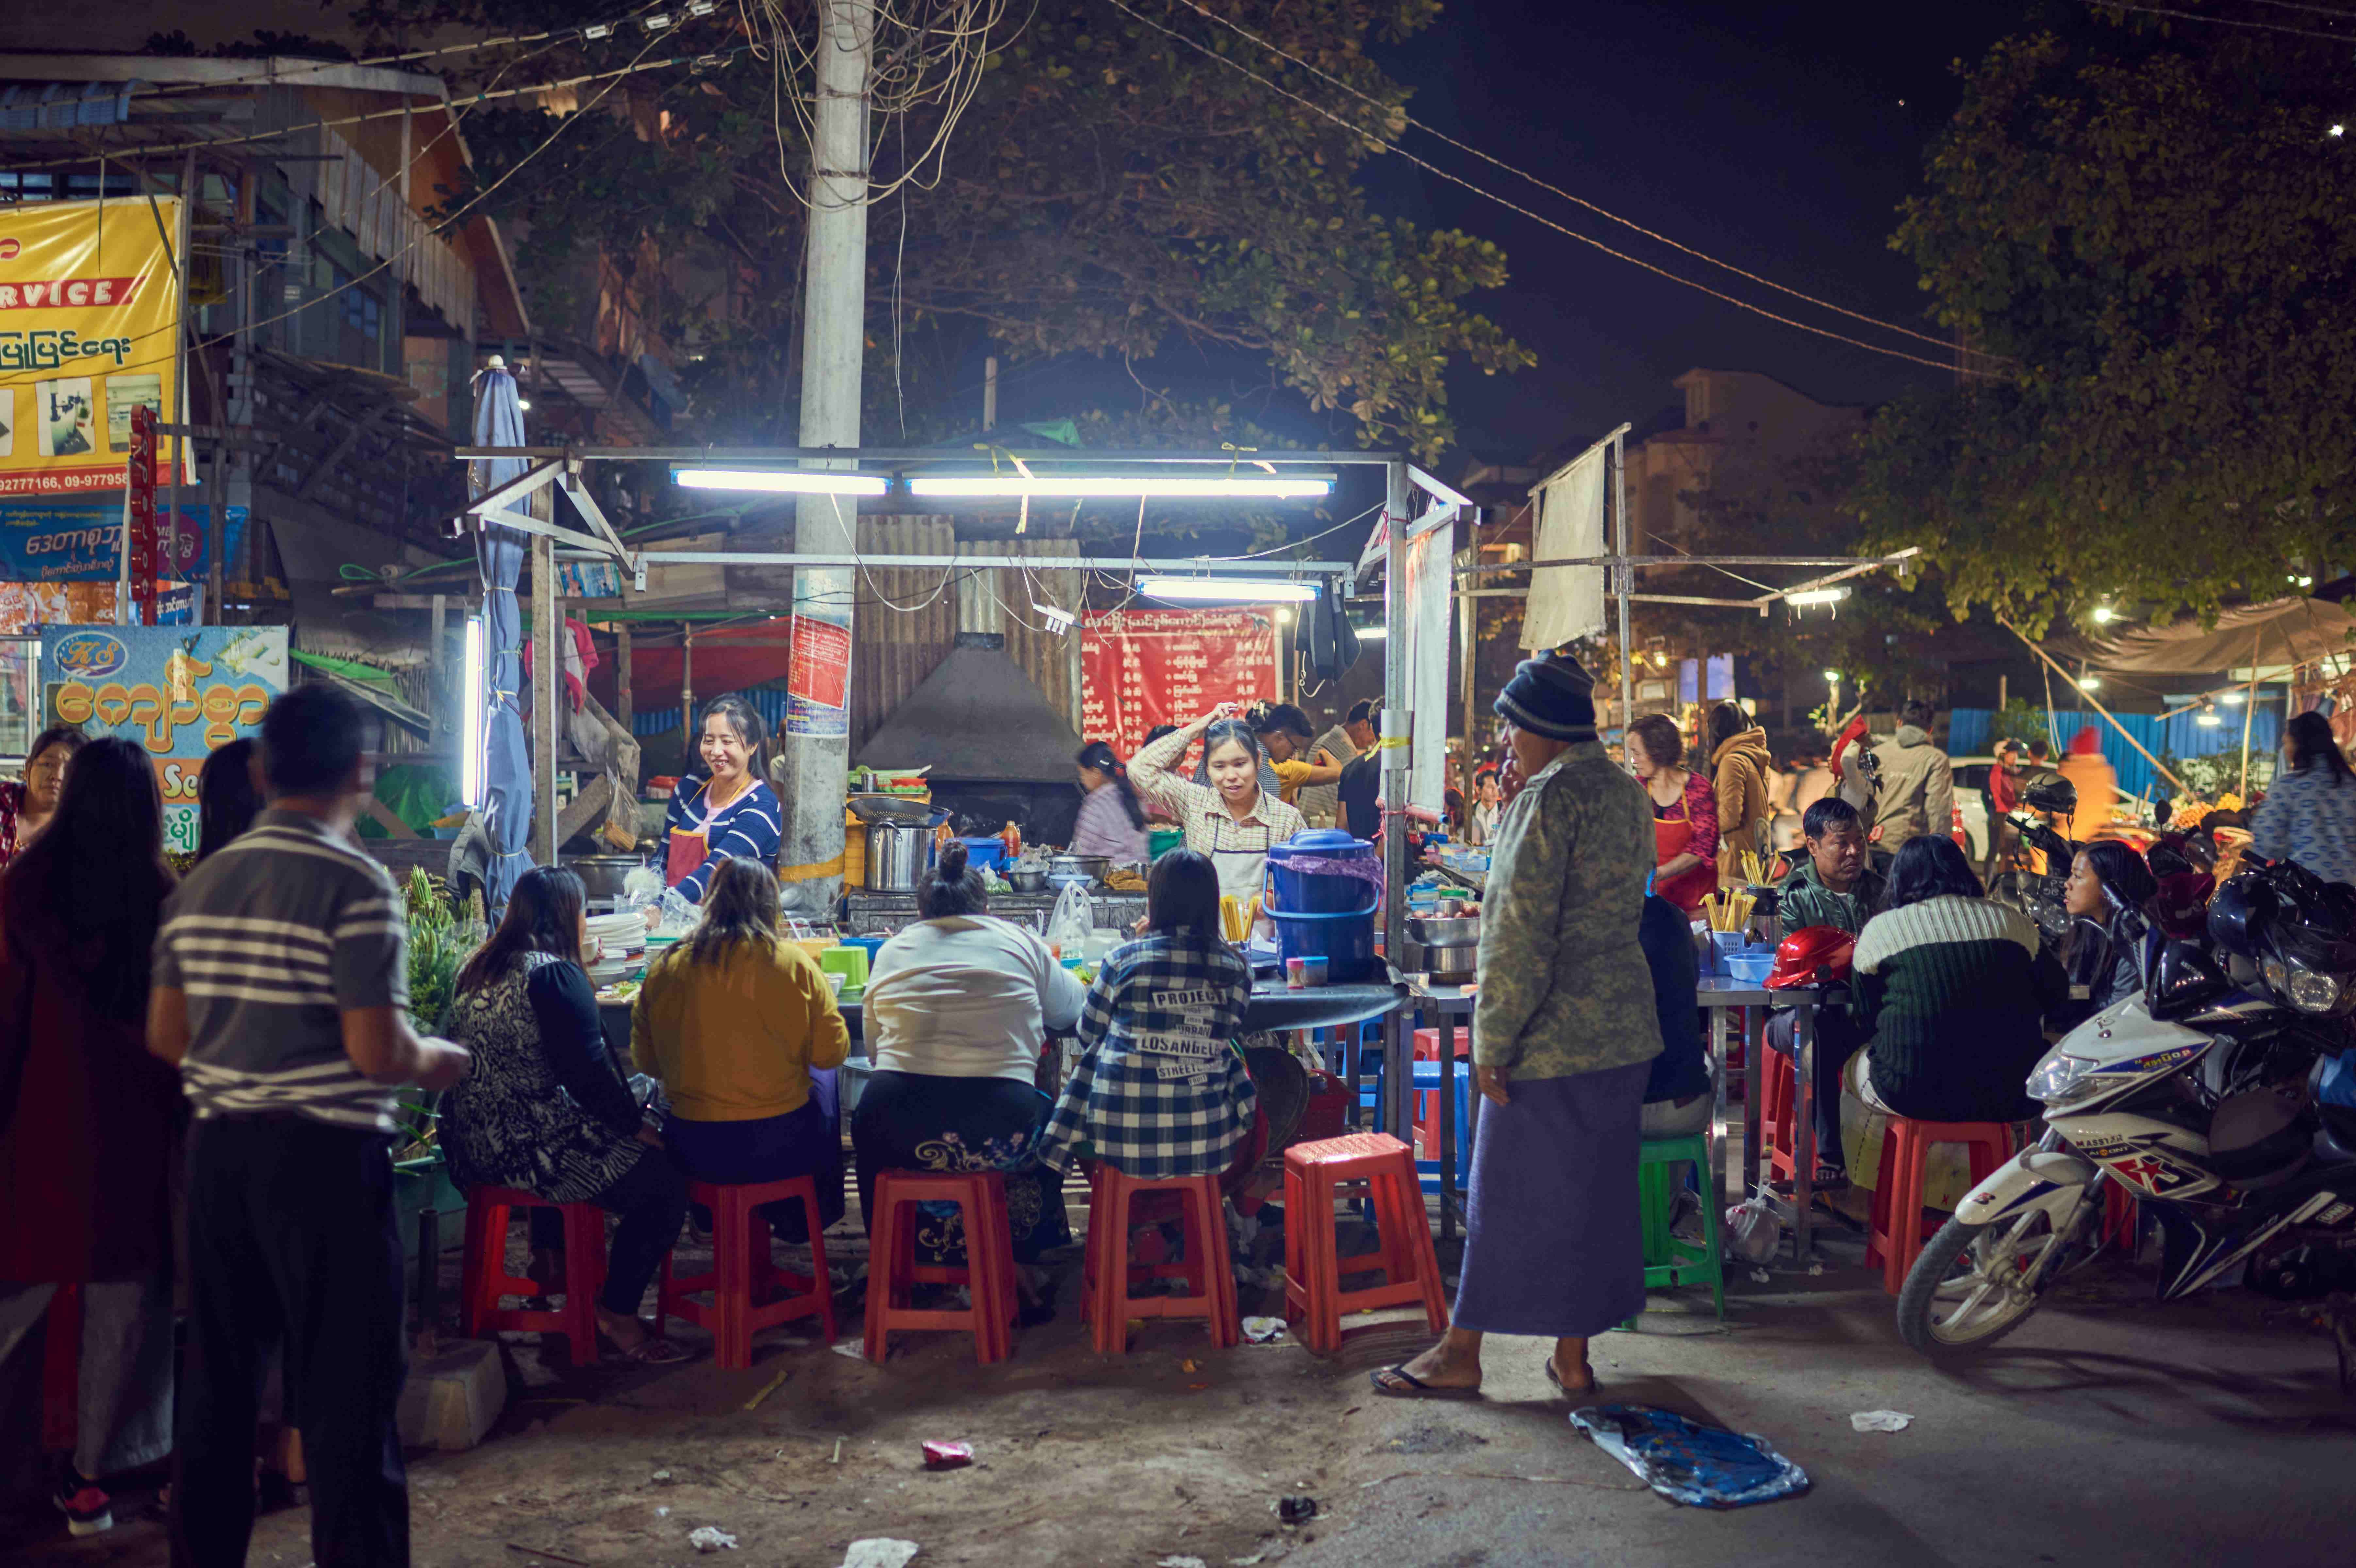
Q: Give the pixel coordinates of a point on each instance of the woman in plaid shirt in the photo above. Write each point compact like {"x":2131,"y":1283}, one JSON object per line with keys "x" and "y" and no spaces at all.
{"x":1161,"y":1090}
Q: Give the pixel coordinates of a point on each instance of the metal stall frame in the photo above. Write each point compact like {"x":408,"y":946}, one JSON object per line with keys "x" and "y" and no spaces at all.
{"x":566,"y":464}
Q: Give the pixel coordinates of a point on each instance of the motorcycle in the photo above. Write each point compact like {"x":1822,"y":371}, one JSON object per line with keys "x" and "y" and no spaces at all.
{"x":2038,"y":895}
{"x":2193,"y":1096}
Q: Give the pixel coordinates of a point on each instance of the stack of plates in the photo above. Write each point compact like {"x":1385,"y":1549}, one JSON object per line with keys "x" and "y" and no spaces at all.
{"x":610,"y":970}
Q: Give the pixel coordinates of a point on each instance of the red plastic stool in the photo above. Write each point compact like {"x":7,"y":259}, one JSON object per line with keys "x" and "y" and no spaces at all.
{"x":61,"y":1371}
{"x":1426,"y":1044}
{"x":988,"y":1273}
{"x":1776,"y":1136}
{"x":1207,"y":1269}
{"x":485,"y":1278}
{"x":1894,"y":1238}
{"x":742,"y":1270}
{"x":1314,"y":1175}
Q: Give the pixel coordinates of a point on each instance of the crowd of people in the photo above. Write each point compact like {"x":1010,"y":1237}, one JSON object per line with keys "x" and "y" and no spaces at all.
{"x":250,"y":1023}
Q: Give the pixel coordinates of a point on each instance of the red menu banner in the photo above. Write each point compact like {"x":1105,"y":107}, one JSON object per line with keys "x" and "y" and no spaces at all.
{"x":819,"y":670}
{"x":1144,"y":668}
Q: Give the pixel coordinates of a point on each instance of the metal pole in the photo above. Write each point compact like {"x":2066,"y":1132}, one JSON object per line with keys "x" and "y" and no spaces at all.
{"x":180,"y":343}
{"x":687,"y":696}
{"x":1397,"y":726}
{"x":989,"y":393}
{"x":1622,"y":582}
{"x":814,"y":742}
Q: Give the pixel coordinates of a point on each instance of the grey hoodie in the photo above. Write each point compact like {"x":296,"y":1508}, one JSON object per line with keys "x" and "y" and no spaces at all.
{"x":1918,"y":792}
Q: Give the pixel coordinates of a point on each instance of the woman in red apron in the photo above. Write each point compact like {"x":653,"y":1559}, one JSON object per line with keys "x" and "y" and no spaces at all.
{"x":729,"y":812}
{"x":1685,"y":813}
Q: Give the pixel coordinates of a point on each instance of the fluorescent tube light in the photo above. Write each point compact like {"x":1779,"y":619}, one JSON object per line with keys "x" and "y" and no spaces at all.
{"x":1817,"y":596}
{"x":1227,"y":590}
{"x":474,"y":717}
{"x":2235,"y":697}
{"x":793,"y":481}
{"x":2090,"y":683}
{"x":1082,"y":487}
{"x":2207,"y":720}
{"x":1373,"y":634}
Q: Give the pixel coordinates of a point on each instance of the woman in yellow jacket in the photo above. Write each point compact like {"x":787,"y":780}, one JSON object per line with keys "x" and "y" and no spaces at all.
{"x":1739,"y":766}
{"x":743,"y":1030}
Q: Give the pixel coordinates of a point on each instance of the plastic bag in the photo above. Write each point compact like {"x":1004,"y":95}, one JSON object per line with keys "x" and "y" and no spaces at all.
{"x":1069,"y":925}
{"x":641,"y":887}
{"x":1701,"y":1467}
{"x":1754,"y":1228}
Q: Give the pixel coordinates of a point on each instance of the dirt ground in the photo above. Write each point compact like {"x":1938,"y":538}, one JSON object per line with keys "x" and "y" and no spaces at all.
{"x":2109,"y":1430}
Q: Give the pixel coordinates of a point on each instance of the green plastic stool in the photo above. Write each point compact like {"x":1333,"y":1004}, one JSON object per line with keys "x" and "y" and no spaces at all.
{"x":1669,"y":1262}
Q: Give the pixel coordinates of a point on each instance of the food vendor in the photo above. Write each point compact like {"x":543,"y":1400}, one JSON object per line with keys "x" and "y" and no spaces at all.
{"x":26,"y":809}
{"x":727,"y":813}
{"x":1232,"y":820}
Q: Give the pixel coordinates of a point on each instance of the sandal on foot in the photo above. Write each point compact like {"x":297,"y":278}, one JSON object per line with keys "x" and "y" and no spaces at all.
{"x":654,"y":1351}
{"x":1828,"y":1179}
{"x":1589,"y":1390}
{"x":1416,"y":1387}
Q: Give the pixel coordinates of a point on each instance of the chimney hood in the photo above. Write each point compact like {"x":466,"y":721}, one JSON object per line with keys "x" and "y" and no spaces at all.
{"x":979,"y":719}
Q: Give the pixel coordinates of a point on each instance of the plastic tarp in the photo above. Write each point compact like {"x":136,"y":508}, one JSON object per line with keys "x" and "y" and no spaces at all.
{"x":1424,"y":644}
{"x":498,"y":552}
{"x":2284,"y":631}
{"x":1566,"y":603}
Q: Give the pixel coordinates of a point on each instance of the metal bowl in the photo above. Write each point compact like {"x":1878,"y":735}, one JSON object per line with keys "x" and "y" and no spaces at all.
{"x":872,"y":808}
{"x":1092,"y":867}
{"x":1027,"y":882}
{"x":1432,"y":932}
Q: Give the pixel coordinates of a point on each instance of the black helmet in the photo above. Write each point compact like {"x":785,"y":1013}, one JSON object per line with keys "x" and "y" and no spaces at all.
{"x":2238,"y":911}
{"x":2058,"y":796}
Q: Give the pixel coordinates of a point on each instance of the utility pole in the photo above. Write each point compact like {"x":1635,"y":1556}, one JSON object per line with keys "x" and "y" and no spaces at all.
{"x":814,"y":742}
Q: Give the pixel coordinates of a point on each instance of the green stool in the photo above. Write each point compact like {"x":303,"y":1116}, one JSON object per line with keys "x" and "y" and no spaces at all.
{"x":1668,"y":1261}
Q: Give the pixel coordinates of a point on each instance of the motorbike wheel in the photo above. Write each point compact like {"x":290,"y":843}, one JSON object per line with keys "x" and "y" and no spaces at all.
{"x":1966,"y":1290}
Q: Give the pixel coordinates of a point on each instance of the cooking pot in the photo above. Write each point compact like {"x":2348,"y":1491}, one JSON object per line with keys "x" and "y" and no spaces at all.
{"x":897,"y":854}
{"x":601,"y":875}
{"x":1071,"y":868}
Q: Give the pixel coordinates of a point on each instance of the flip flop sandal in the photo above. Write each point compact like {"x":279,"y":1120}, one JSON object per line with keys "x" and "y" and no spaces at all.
{"x":1594,"y":1384}
{"x":654,"y":1351}
{"x":1416,"y":1387}
{"x":1828,"y":1179}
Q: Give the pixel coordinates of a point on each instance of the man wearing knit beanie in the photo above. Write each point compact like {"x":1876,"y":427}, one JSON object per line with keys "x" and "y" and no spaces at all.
{"x":1564,"y":1032}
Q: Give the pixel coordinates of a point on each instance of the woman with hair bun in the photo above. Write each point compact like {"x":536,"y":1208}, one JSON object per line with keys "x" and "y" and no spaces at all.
{"x":958,"y":1004}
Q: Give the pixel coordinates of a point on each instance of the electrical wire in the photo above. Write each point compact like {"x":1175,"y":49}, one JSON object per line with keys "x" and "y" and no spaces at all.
{"x":424,"y":233}
{"x":1390,"y":145}
{"x":701,"y":62}
{"x":1403,"y":118}
{"x":2313,"y":10}
{"x":2219,"y":21}
{"x":554,"y":35}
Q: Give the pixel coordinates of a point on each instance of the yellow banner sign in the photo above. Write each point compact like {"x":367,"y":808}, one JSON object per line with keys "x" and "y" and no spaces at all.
{"x":89,"y":321}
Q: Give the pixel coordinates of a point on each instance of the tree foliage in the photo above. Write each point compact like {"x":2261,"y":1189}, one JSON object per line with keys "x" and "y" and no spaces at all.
{"x":1108,"y":192}
{"x":2150,"y":240}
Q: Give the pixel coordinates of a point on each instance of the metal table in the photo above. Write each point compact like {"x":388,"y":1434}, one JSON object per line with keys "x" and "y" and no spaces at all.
{"x":1720,"y":997}
{"x":1448,"y":1004}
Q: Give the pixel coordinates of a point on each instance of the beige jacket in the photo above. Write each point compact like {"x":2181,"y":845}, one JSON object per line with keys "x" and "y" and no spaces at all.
{"x":1741,"y":767}
{"x":1918,"y":792}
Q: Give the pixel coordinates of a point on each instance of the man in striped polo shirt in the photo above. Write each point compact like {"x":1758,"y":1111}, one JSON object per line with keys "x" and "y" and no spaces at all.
{"x":281,"y":990}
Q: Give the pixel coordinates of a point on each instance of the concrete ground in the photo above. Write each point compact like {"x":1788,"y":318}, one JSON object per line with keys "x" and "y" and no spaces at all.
{"x":2106,"y":1431}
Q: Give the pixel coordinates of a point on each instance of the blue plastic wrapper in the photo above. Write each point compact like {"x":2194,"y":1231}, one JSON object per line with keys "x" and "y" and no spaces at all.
{"x":1701,"y":1467}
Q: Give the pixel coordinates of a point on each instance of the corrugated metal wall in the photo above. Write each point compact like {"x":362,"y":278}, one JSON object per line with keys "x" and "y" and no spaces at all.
{"x":904,"y":622}
{"x":907,"y":618}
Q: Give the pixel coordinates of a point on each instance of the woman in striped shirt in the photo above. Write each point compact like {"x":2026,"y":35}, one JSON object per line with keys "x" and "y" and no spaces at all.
{"x":728,"y":813}
{"x":1112,"y":819}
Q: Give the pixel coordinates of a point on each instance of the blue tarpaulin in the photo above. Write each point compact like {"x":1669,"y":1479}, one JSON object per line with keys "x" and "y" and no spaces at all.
{"x":1969,"y":734}
{"x":498,"y":552}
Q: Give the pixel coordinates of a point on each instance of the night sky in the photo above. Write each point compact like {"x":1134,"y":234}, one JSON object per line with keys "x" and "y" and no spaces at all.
{"x":1779,"y":137}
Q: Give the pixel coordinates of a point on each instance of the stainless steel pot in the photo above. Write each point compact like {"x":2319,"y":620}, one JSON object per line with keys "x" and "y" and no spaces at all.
{"x":1092,"y":867}
{"x":1437,"y":931}
{"x":601,"y":875}
{"x":897,"y":854}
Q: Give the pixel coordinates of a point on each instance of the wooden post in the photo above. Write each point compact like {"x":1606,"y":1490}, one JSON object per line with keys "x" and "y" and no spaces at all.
{"x":547,"y":688}
{"x":2250,"y":710}
{"x":2158,"y":767}
{"x":625,"y":708}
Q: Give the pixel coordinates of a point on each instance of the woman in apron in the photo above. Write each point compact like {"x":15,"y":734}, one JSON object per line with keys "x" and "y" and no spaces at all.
{"x":728,"y":813}
{"x":1685,"y":813}
{"x":1232,"y":820}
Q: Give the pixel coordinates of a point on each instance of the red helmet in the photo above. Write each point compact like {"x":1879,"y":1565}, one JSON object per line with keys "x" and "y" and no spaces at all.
{"x":1813,"y":956}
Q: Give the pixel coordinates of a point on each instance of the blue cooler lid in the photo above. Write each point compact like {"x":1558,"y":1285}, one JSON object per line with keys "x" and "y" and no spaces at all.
{"x":1327,"y":841}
